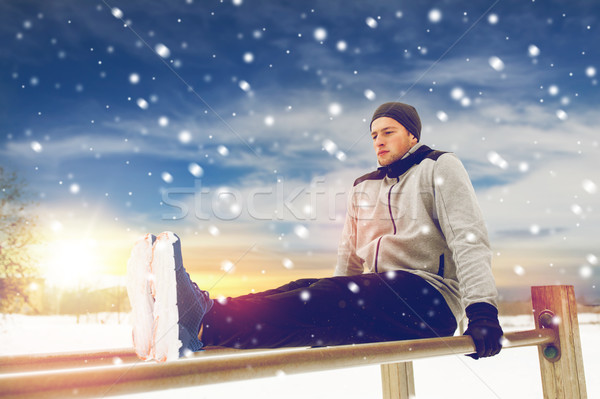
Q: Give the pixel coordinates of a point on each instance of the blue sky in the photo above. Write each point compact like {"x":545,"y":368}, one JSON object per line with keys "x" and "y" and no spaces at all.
{"x":115,"y":111}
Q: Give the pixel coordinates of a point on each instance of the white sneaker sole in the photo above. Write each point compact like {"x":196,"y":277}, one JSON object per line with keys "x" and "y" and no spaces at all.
{"x":140,"y":298}
{"x":164,"y":288}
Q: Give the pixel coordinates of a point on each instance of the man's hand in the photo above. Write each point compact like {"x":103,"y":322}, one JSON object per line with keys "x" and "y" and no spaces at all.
{"x":484,"y":328}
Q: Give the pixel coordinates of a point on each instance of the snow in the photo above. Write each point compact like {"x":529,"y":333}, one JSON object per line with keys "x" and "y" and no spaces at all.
{"x":184,"y":136}
{"x":117,"y":13}
{"x":248,"y":57}
{"x":496,"y":63}
{"x":562,"y":115}
{"x":513,"y":374}
{"x":370,"y":94}
{"x":371,"y":22}
{"x":335,"y":109}
{"x":162,"y":50}
{"x":167,"y":177}
{"x":320,"y":34}
{"x":589,"y":186}
{"x":36,"y":146}
{"x":163,"y":121}
{"x":244,"y":85}
{"x":222,"y":150}
{"x":142,"y":103}
{"x":533,"y":50}
{"x":442,"y":116}
{"x":195,"y":169}
{"x":269,"y":120}
{"x":287,"y":263}
{"x":301,"y":231}
{"x":134,"y":78}
{"x":435,"y":15}
{"x":497,"y":160}
{"x":329,"y":146}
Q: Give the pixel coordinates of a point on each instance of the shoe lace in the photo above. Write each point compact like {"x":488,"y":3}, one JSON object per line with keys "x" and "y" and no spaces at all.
{"x":201,"y":292}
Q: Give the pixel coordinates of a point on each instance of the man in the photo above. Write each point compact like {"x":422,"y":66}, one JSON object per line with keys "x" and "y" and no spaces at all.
{"x":414,"y":224}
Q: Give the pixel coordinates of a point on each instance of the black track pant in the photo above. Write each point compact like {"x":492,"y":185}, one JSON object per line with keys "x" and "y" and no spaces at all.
{"x":331,"y":311}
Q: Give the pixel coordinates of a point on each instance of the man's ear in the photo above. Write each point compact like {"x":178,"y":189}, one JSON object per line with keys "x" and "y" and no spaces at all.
{"x":413,"y":139}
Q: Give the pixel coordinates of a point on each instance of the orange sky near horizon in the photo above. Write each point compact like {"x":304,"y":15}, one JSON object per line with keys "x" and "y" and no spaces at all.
{"x":100,"y":259}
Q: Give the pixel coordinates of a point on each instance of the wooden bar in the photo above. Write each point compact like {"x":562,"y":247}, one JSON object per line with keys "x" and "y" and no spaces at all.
{"x":562,"y":374}
{"x":63,"y":360}
{"x":398,"y":380}
{"x":47,"y":361}
{"x":199,"y":370}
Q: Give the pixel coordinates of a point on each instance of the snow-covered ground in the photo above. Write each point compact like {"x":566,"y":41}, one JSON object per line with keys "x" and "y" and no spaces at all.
{"x":513,"y":374}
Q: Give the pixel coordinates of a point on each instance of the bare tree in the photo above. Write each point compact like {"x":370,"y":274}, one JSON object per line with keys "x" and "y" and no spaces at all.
{"x":17,"y":236}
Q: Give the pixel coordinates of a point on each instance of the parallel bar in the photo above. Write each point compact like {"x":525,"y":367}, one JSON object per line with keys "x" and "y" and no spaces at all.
{"x":200,"y":370}
{"x":46,"y":361}
{"x":64,"y":360}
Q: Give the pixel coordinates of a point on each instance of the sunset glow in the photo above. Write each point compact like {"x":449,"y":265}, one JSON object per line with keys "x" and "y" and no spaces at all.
{"x":73,"y":262}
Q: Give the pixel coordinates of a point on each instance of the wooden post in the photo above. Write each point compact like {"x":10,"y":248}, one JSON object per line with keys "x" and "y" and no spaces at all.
{"x":398,"y":380}
{"x":562,"y":370}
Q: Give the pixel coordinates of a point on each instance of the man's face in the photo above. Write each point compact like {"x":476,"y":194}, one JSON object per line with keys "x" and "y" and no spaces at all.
{"x":391,"y":140}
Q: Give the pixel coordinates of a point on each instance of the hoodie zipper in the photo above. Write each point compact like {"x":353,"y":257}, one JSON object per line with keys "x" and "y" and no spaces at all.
{"x":392,"y":220}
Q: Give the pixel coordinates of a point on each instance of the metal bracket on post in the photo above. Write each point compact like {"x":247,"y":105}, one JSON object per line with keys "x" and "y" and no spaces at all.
{"x":550,"y":351}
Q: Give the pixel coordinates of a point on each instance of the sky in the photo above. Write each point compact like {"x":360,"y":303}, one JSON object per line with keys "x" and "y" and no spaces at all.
{"x":241,"y":125}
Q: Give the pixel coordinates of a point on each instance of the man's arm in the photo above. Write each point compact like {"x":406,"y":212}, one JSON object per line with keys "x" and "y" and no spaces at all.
{"x":462,"y":223}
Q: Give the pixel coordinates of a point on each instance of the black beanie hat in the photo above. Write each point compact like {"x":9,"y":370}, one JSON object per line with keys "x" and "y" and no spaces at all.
{"x":404,"y":114}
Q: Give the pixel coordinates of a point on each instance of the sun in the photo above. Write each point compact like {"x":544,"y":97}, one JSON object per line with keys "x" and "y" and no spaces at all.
{"x":71,"y":263}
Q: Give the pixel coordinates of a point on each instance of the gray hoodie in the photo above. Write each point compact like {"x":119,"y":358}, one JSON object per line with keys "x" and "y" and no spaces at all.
{"x":420,"y":214}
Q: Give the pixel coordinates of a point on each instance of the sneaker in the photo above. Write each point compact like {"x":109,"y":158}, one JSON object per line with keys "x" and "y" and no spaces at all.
{"x":140,"y":296}
{"x":179,"y":305}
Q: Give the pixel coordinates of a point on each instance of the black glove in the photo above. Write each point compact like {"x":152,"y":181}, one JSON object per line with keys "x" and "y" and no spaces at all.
{"x":484,"y":328}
